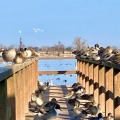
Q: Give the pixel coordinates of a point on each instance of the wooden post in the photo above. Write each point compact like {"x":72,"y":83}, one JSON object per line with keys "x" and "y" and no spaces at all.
{"x":11,"y":98}
{"x":36,"y":71}
{"x":116,"y":94}
{"x":3,"y":100}
{"x":18,"y":95}
{"x":86,"y":77}
{"x":102,"y":87}
{"x":27,"y":95}
{"x":80,"y":72}
{"x":91,"y":82}
{"x":96,"y":85}
{"x":78,"y":69}
{"x":83,"y":74}
{"x":109,"y":90}
{"x":24,"y":104}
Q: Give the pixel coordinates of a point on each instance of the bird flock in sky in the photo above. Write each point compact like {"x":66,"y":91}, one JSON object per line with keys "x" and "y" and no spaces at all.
{"x":36,"y":30}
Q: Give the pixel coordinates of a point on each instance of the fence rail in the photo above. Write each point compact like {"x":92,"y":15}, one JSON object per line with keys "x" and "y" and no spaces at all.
{"x":19,"y":81}
{"x":57,"y":72}
{"x":16,"y":85}
{"x":102,"y":79}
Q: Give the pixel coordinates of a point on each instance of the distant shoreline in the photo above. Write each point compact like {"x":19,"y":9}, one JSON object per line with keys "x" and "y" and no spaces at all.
{"x":47,"y":58}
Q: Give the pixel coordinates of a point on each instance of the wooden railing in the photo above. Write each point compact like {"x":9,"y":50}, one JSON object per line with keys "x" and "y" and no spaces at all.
{"x":16,"y":85}
{"x":104,"y":81}
{"x":19,"y":81}
{"x":57,"y":72}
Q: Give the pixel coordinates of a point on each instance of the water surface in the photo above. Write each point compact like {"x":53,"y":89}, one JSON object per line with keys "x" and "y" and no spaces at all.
{"x":62,"y":64}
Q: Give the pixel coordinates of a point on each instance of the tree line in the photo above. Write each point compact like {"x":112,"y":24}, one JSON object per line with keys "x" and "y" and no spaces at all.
{"x":77,"y":44}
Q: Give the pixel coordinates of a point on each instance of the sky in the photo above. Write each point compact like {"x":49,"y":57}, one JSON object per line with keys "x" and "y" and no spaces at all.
{"x":46,"y":22}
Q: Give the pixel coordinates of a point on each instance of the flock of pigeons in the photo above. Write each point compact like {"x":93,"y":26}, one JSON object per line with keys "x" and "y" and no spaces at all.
{"x":100,"y":54}
{"x":17,"y":56}
{"x":82,"y":104}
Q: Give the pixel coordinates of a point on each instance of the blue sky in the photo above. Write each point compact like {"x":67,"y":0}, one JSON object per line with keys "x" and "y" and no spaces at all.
{"x":45,"y":22}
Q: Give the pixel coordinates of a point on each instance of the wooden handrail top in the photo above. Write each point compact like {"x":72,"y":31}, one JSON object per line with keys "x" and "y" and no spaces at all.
{"x":58,"y":72}
{"x":112,"y":65}
{"x":9,"y":70}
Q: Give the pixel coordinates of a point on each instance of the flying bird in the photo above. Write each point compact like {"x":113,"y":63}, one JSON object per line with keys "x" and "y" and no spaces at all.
{"x":38,"y":30}
{"x":20,"y":31}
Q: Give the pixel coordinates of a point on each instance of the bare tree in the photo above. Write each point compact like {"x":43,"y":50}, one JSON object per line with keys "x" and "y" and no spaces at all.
{"x":79,"y":44}
{"x":1,"y":47}
{"x":45,"y":48}
{"x":68,"y":48}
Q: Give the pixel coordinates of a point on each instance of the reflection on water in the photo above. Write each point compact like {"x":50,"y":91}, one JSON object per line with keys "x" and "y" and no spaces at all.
{"x":59,"y":79}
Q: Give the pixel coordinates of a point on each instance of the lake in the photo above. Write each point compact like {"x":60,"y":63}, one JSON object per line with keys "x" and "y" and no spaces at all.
{"x":59,"y":65}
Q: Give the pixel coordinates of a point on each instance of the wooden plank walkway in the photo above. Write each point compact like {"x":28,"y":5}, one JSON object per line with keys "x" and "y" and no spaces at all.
{"x":56,"y":92}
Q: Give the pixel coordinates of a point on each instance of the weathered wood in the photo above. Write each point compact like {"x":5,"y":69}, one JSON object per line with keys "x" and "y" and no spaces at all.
{"x":96,"y":84}
{"x":58,"y":72}
{"x":87,"y":77}
{"x":106,"y":64}
{"x":83,"y":74}
{"x":91,"y":81}
{"x":109,"y":90}
{"x":56,"y":58}
{"x":78,"y":67}
{"x":117,"y":94}
{"x":102,"y":87}
{"x":16,"y":85}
